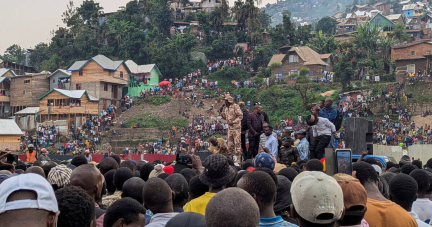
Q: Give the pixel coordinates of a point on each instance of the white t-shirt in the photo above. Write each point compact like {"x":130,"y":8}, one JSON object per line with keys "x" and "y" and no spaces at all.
{"x":423,"y":208}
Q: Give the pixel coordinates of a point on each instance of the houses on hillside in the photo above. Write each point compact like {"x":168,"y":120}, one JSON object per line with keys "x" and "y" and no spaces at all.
{"x":72,"y":106}
{"x":102,"y":78}
{"x":73,"y":95}
{"x":26,"y":89}
{"x":301,"y":57}
{"x":142,"y":77}
{"x":413,"y":57}
{"x":414,"y":15}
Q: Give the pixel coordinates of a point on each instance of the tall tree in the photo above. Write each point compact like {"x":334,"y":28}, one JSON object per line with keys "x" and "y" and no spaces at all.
{"x":303,"y":85}
{"x":40,"y":53}
{"x":264,"y":18}
{"x":327,"y":25}
{"x":399,"y":33}
{"x":323,"y":44}
{"x":15,"y":53}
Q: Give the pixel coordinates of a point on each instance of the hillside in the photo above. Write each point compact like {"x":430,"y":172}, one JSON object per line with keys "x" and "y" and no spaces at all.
{"x":307,"y":10}
{"x":159,"y":120}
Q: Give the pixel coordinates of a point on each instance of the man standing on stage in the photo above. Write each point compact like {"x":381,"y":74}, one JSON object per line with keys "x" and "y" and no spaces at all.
{"x":233,"y":115}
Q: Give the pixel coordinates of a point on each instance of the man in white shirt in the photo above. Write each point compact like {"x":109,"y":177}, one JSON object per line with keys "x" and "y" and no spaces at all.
{"x":422,"y":206}
{"x":322,"y":130}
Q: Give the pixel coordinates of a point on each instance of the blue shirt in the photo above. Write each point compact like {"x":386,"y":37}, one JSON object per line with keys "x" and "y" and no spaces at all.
{"x":272,"y":145}
{"x":275,"y":222}
{"x":328,"y":112}
{"x":303,"y":149}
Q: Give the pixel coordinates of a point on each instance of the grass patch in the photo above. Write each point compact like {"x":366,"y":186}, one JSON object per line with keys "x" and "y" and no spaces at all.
{"x":157,"y":100}
{"x":156,"y":122}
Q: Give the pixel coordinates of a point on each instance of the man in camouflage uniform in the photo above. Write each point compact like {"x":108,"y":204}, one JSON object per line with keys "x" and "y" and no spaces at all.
{"x":233,"y":115}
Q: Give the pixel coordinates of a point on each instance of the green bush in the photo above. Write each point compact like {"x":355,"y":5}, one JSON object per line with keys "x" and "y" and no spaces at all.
{"x":156,"y":122}
{"x":157,"y":100}
{"x":225,"y":76}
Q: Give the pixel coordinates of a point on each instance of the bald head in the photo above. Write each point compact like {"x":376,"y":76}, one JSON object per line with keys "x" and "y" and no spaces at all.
{"x":37,"y":170}
{"x":223,"y":209}
{"x":328,"y":102}
{"x":88,"y":178}
{"x":157,"y":196}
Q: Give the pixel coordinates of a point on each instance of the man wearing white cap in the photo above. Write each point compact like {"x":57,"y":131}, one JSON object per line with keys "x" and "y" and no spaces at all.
{"x":317,"y":199}
{"x":28,"y":200}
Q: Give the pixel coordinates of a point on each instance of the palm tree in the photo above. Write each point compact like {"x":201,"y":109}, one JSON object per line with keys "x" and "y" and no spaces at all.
{"x":118,"y":29}
{"x":323,"y":44}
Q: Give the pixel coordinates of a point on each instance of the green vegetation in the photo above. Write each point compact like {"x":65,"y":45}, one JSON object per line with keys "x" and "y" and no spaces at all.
{"x":157,"y":100}
{"x":156,"y":122}
{"x":225,"y":76}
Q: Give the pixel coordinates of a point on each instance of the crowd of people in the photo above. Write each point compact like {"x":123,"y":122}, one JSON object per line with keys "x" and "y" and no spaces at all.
{"x":214,"y":192}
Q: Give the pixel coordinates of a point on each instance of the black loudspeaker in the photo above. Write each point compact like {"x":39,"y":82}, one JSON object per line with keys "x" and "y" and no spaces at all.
{"x":203,"y":155}
{"x":358,"y":135}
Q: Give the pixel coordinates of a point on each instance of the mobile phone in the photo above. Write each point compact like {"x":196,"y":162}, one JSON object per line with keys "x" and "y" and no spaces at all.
{"x":344,"y":161}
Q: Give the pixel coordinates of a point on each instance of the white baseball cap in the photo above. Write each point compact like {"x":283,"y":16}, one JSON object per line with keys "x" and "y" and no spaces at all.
{"x":46,"y":199}
{"x":314,"y":193}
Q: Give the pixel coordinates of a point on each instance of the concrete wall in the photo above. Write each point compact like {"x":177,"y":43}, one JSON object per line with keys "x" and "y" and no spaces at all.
{"x":423,"y":152}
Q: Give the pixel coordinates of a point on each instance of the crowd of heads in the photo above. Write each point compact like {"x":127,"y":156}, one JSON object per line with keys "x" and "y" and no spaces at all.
{"x":212,"y":192}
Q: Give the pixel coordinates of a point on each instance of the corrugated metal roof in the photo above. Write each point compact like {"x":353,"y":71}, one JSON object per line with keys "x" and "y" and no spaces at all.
{"x":101,"y":60}
{"x":9,"y":127}
{"x":277,"y":58}
{"x":75,"y":94}
{"x":412,"y":6}
{"x":2,"y":79}
{"x":4,"y":71}
{"x":60,"y":70}
{"x":309,"y":56}
{"x":28,"y":110}
{"x":394,"y":16}
{"x":136,"y":69}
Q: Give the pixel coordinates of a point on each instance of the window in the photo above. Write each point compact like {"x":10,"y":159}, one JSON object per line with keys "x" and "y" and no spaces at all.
{"x":50,"y":102}
{"x":26,"y":81}
{"x":378,"y":21}
{"x":293,"y":58}
{"x":24,"y":92}
{"x":428,"y":52}
{"x":81,"y":73}
{"x":54,"y":81}
{"x":14,"y":80}
{"x":413,"y":53}
{"x":78,"y":86}
{"x":105,"y":87}
{"x":121,"y":74}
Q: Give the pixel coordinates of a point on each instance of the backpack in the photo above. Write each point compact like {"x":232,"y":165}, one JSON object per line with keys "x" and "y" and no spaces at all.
{"x":338,"y":120}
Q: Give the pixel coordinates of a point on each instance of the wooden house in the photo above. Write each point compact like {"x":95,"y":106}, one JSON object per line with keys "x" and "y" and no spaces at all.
{"x":5,"y":109}
{"x":397,"y":18}
{"x":60,"y":79}
{"x":7,"y":72}
{"x":143,"y":77}
{"x":74,"y":106}
{"x":17,"y":68}
{"x":26,"y":89}
{"x":382,"y":22}
{"x":102,"y":78}
{"x":27,"y":118}
{"x":298,"y":58}
{"x":10,"y":135}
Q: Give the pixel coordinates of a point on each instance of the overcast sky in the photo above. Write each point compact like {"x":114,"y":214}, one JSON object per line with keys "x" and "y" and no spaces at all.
{"x":29,"y":22}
